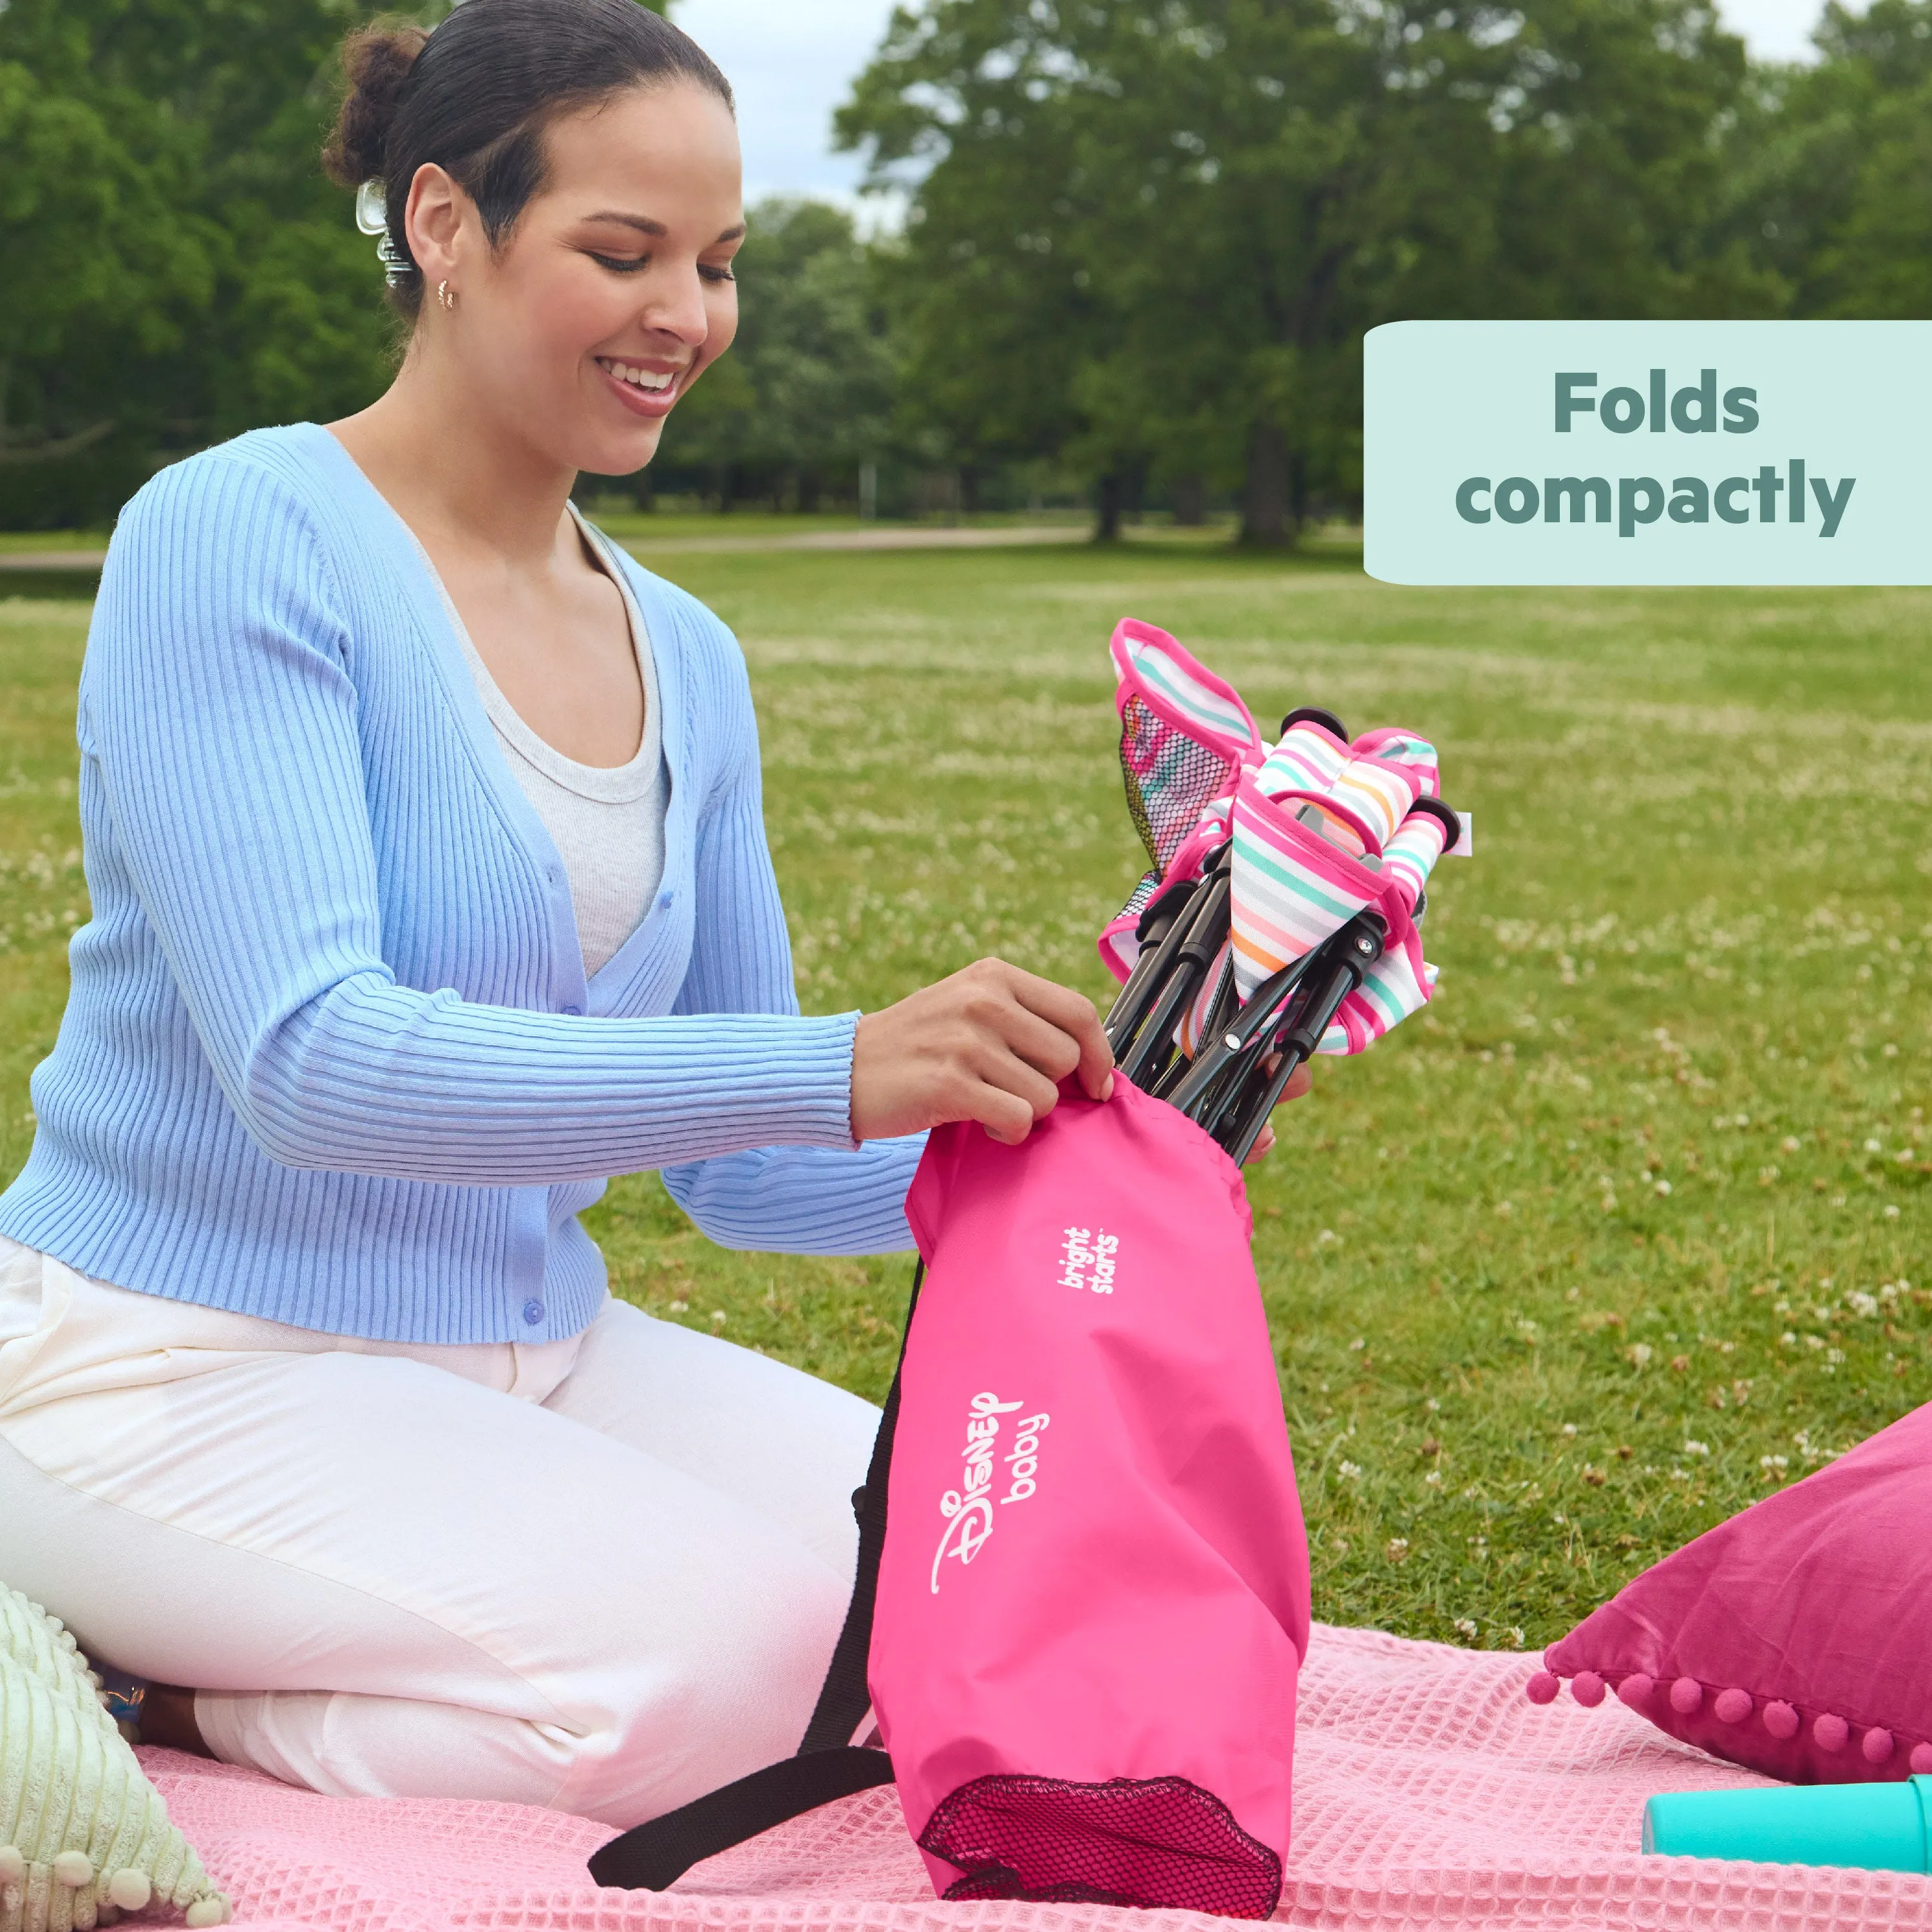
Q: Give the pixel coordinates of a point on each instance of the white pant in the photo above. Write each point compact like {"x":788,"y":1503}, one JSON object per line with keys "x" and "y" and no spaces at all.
{"x":601,"y":1575}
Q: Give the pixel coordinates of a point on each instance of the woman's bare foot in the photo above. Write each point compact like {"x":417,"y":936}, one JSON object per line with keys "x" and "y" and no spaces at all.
{"x":167,"y":1718}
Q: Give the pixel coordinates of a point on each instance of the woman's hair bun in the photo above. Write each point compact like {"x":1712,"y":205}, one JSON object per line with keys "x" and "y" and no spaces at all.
{"x":476,"y":97}
{"x":378,"y":61}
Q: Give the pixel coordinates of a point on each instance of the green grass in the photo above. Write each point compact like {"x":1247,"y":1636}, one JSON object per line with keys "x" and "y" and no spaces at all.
{"x":13,"y":542}
{"x":1692,"y":951}
{"x":669,"y":525}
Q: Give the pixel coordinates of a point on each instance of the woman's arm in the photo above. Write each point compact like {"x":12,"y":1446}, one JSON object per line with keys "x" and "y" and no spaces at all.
{"x":218,"y":709}
{"x":991,"y":1044}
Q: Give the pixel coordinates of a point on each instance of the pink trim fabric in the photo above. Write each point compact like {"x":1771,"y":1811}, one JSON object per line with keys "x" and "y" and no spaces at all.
{"x":1185,"y":736}
{"x":1428,"y":1794}
{"x":1187,"y":695}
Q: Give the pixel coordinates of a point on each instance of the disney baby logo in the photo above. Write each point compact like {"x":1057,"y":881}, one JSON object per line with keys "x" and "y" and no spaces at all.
{"x":968,"y":1509}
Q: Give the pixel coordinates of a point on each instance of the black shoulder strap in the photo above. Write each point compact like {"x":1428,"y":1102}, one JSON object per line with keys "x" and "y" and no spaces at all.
{"x":655,"y":1856}
{"x":827,"y":1765}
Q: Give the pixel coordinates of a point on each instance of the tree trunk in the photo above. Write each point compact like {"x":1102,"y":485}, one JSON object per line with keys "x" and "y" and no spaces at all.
{"x":1190,"y":502}
{"x":969,"y":489}
{"x":1266,"y":508}
{"x":1109,"y":499}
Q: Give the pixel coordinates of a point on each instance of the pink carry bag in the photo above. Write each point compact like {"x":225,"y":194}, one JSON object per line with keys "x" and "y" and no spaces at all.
{"x":1094,"y":1598}
{"x":1082,"y":1598}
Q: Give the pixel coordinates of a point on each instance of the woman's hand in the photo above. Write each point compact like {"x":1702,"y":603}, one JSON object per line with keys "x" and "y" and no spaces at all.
{"x":991,"y":1044}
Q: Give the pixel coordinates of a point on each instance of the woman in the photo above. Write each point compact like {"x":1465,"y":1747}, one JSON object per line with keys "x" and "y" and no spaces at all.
{"x":430,"y":886}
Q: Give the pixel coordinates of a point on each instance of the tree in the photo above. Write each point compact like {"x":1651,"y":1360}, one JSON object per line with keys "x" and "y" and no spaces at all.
{"x":1152,"y":233}
{"x":176,"y":268}
{"x":1834,"y":168}
{"x":993,"y":303}
{"x":805,"y":396}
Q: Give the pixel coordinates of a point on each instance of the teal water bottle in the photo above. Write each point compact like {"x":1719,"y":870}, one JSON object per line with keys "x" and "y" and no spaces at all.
{"x":1876,"y":1827}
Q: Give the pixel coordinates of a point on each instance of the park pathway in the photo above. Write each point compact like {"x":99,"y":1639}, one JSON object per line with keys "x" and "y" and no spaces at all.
{"x":913,"y":536}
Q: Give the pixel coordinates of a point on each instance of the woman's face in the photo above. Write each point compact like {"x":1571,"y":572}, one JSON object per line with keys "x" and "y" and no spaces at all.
{"x":613,"y":293}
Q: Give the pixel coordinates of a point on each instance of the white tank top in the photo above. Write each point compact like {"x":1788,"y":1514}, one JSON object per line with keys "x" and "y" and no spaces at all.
{"x":607,"y":823}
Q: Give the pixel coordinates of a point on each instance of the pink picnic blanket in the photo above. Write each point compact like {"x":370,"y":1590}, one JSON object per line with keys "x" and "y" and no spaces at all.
{"x":1427,"y":1792}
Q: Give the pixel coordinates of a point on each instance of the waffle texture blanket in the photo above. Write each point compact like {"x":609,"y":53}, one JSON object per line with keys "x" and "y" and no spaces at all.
{"x":1427,"y":1792}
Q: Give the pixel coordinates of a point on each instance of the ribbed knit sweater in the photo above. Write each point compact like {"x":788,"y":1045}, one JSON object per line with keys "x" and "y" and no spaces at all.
{"x":330,"y":1054}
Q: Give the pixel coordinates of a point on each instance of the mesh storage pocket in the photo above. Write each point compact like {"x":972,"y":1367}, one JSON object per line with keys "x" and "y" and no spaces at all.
{"x":1149,"y":1842}
{"x":1169,"y":778}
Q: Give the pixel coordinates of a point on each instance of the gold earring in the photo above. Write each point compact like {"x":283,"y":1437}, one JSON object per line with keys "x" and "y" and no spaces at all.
{"x":444,"y":295}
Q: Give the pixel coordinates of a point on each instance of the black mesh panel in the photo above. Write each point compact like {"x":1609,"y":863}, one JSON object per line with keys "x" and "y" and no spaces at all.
{"x":1149,"y":1842}
{"x":1169,"y":777}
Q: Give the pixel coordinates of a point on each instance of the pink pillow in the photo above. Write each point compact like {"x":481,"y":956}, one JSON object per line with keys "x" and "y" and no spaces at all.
{"x":1796,"y":1639}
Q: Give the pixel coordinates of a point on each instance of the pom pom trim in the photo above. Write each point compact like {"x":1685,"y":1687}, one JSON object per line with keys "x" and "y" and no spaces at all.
{"x":1829,"y":1731}
{"x":1732,"y":1707}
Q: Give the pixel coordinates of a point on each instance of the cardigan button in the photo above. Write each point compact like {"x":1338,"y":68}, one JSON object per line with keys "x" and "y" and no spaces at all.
{"x":572,"y":1012}
{"x":533,"y":1312}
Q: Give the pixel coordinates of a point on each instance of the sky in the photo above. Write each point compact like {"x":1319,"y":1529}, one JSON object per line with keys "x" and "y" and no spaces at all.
{"x":793,"y":61}
{"x":790,"y":63}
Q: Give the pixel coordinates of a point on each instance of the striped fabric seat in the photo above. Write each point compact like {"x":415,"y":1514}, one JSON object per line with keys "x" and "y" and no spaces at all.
{"x":1321,"y":829}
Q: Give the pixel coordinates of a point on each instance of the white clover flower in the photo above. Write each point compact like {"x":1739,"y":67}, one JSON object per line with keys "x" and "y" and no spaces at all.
{"x":1349,"y":1472}
{"x":1693,"y":1447}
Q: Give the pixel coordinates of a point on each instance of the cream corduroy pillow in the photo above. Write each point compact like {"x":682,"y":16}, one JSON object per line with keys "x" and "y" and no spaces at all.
{"x":83,"y":1835}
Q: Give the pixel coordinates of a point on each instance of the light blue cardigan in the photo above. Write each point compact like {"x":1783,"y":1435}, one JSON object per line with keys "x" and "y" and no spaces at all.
{"x":330,"y":1056}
